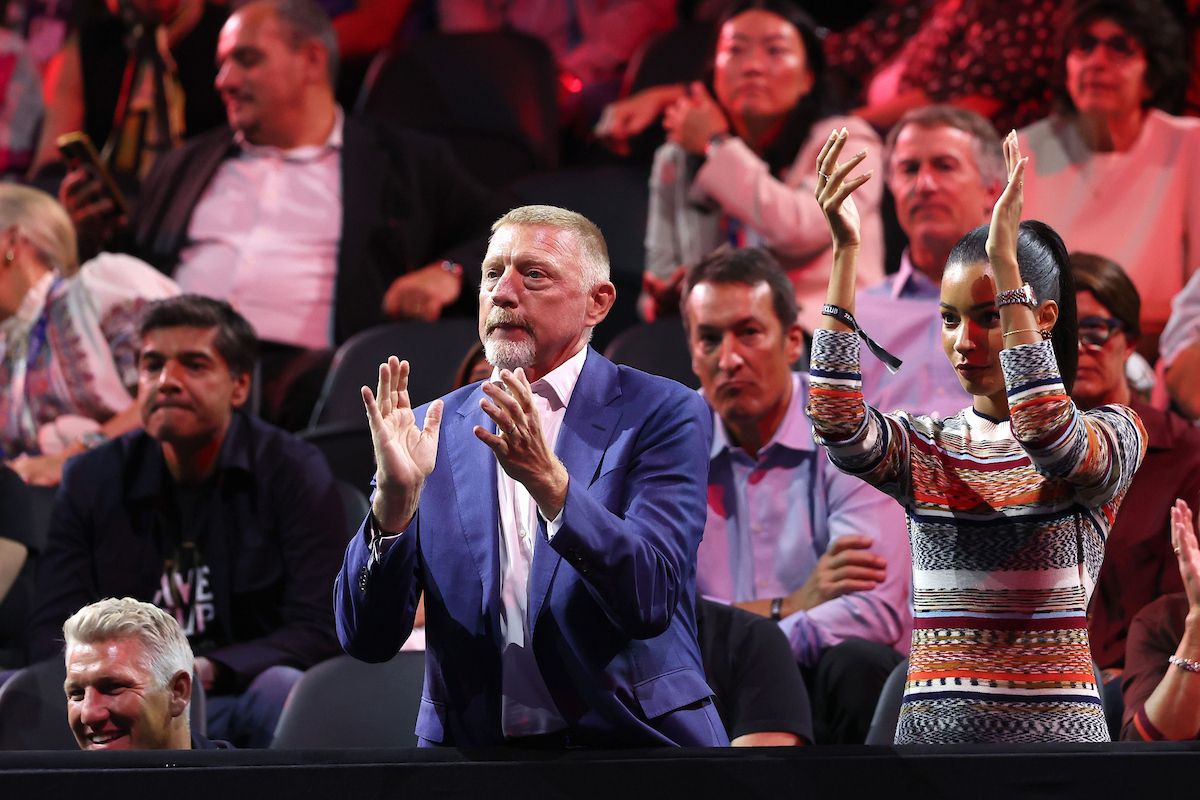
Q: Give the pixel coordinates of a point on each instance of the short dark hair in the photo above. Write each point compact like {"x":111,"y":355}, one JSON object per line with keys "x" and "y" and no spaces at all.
{"x":1156,"y":30}
{"x":1111,"y":287}
{"x":1044,"y":264}
{"x":235,"y":340}
{"x":749,"y":266}
{"x":305,"y":20}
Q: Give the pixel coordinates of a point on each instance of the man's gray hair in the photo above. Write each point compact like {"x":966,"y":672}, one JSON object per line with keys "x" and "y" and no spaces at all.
{"x":989,"y":151}
{"x":593,"y":250}
{"x":166,"y":649}
{"x":305,"y":20}
{"x":41,"y":221}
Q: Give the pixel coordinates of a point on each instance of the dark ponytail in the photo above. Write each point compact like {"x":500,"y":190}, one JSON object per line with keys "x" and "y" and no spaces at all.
{"x":1044,"y":264}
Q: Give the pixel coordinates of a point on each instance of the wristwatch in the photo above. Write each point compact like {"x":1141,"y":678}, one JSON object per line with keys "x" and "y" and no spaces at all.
{"x":1023,"y":296}
{"x":716,"y":140}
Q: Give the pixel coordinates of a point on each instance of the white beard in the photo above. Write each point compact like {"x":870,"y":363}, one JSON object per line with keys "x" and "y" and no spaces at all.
{"x":507,"y":354}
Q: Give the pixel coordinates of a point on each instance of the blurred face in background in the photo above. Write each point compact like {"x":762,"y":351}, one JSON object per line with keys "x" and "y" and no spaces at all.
{"x":1104,"y":347}
{"x":1106,"y":71}
{"x":761,"y":68}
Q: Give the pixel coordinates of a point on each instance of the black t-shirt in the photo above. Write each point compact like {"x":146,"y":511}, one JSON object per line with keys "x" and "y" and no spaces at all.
{"x":750,"y":667}
{"x":184,"y":589}
{"x":16,"y":524}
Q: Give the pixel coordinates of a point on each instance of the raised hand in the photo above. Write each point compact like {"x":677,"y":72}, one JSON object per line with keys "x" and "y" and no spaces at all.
{"x":404,"y":453}
{"x":1187,"y":551}
{"x":1006,"y":214}
{"x":519,"y":444}
{"x":834,"y":190}
{"x":694,"y":119}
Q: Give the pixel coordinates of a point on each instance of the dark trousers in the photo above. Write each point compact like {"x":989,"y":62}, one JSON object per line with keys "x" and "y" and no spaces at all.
{"x":844,"y":687}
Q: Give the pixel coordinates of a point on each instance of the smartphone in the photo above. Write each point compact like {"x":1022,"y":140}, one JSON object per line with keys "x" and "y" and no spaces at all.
{"x":78,"y":151}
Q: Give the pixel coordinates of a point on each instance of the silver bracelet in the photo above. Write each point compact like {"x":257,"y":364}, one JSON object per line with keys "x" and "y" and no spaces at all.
{"x":1184,"y":663}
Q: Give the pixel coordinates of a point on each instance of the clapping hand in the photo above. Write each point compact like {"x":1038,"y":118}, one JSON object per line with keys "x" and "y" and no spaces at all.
{"x":834,"y":190}
{"x":518,"y":442}
{"x":404,"y":453}
{"x":1006,"y":214}
{"x":1183,"y":541}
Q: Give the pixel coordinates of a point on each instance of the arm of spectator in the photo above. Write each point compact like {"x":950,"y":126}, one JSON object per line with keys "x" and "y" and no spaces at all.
{"x":612,"y":36}
{"x":1180,"y":346}
{"x":860,"y":588}
{"x":783,"y":211}
{"x":1172,"y":709}
{"x":47,"y":470}
{"x":310,"y":526}
{"x":622,"y":120}
{"x":63,"y":96}
{"x":423,"y":293}
{"x":370,"y":27}
{"x":12,"y":558}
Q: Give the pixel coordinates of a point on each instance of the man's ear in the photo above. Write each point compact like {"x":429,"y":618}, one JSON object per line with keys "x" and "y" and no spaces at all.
{"x":242,"y":382}
{"x":794,"y":342}
{"x":181,"y":692}
{"x":600,"y":301}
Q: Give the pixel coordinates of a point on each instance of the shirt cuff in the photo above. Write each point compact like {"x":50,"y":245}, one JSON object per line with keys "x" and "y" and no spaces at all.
{"x":553,"y":525}
{"x":379,"y":542}
{"x":803,"y":636}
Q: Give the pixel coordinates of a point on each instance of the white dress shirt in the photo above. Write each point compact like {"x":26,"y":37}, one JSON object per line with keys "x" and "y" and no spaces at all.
{"x":526,"y":706}
{"x":265,"y":235}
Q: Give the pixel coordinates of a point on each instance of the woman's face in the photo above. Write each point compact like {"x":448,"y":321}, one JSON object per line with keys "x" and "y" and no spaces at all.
{"x":1103,"y":351}
{"x":1106,"y":70}
{"x":761,"y":66}
{"x":971,"y":327}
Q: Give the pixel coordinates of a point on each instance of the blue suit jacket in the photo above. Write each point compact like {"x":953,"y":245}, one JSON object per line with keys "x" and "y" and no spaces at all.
{"x":611,"y":600}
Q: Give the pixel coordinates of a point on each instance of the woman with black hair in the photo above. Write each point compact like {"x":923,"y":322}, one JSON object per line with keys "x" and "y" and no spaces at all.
{"x":737,"y":165}
{"x":1113,"y":170}
{"x":1009,"y":501}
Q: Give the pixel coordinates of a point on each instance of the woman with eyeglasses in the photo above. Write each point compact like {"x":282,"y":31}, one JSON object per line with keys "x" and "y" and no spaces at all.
{"x":1009,"y":501}
{"x":1112,"y":171}
{"x":1138,"y":563}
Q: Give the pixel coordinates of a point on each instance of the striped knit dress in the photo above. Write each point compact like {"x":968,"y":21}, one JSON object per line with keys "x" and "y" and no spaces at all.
{"x":1007,"y":522}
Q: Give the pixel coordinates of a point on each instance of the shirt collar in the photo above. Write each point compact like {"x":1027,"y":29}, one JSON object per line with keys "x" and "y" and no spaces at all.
{"x":912,"y":282}
{"x":236,"y":455}
{"x":793,"y":433}
{"x":307,"y":152}
{"x":558,"y":384}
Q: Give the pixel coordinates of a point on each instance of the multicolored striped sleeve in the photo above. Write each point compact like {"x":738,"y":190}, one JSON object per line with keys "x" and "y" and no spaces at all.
{"x":860,"y":440}
{"x":1098,"y":452}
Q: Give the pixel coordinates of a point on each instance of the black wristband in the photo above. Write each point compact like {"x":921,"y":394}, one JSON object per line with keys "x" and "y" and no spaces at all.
{"x":777,"y":609}
{"x":837,"y":312}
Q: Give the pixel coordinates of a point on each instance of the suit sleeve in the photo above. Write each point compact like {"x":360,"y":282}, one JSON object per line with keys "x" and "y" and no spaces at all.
{"x":311,"y":522}
{"x":375,"y":603}
{"x":638,"y":563}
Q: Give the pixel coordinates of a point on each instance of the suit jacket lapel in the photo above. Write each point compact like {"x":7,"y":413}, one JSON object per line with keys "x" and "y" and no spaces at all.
{"x":363,"y":174}
{"x":473,"y":468}
{"x":585,"y":433}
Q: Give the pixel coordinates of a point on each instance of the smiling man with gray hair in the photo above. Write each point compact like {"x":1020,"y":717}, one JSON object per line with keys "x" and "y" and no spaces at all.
{"x":550,"y":515}
{"x":129,"y":679}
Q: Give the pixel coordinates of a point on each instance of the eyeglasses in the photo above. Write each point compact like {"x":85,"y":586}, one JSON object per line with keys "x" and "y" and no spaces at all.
{"x":1094,"y":332}
{"x":1121,"y":45}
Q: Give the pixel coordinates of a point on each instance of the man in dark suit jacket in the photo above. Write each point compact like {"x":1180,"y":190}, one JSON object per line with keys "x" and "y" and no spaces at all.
{"x":229,"y":524}
{"x":553,"y":531}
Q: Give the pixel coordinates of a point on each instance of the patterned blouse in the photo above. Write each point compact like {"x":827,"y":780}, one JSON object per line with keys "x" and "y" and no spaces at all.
{"x":69,"y":354}
{"x":1007,"y":522}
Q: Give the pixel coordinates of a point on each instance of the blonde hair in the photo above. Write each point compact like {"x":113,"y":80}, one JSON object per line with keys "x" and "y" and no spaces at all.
{"x":167,"y":651}
{"x":592,"y":247}
{"x":44,"y":223}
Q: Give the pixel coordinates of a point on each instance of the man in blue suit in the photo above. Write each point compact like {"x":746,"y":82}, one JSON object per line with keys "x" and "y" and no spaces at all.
{"x":550,"y":516}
